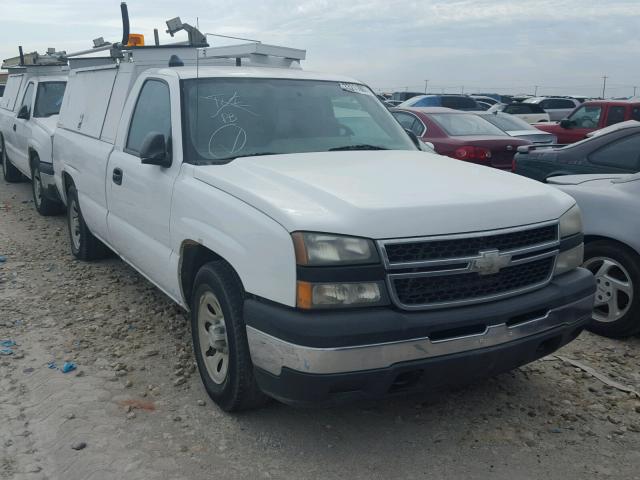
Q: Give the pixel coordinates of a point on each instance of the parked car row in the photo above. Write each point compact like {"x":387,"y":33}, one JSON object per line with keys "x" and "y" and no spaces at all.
{"x":322,"y":257}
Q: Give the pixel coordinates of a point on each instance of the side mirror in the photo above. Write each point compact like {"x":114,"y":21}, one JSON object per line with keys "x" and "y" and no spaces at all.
{"x":154,"y":150}
{"x":414,"y":138}
{"x":566,"y":123}
{"x":427,"y":147}
{"x":23,"y":113}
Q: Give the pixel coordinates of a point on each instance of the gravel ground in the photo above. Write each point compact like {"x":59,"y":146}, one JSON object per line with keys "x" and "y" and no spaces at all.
{"x":134,"y":408}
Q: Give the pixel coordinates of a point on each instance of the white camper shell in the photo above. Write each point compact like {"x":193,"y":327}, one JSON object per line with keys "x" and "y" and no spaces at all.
{"x":28,"y":116}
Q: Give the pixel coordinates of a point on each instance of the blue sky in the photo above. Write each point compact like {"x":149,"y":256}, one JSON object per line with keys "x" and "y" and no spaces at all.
{"x":563,"y":46}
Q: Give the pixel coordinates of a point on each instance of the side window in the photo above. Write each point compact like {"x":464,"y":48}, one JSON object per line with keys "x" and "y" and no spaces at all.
{"x":27,"y":99}
{"x":587,"y":116}
{"x":152,"y":113}
{"x":616,"y":115}
{"x":635,"y":113}
{"x":623,"y":154}
{"x":410,"y":122}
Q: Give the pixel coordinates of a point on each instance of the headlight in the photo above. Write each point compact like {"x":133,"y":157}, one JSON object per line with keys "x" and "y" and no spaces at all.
{"x":570,"y":259}
{"x":321,"y":249}
{"x":571,"y":222}
{"x":327,"y":295}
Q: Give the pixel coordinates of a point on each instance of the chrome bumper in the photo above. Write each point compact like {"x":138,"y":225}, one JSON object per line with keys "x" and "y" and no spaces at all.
{"x":272,"y":354}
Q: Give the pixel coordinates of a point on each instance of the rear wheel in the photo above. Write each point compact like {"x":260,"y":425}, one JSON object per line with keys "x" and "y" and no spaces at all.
{"x":44,"y":205}
{"x":616,"y":311}
{"x":84,"y":245}
{"x":10,"y":173}
{"x":220,"y":339}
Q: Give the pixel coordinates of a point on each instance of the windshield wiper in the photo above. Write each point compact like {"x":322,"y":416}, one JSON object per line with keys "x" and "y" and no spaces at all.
{"x":259,"y":154}
{"x":362,"y":146}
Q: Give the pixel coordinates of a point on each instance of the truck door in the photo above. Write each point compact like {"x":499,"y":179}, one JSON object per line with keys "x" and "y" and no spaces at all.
{"x":21,"y":132}
{"x":139,"y":195}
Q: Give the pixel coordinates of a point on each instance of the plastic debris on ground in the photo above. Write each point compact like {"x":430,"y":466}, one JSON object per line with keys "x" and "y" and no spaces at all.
{"x":3,"y":258}
{"x":6,"y":351}
{"x":7,"y":343}
{"x":68,"y":367}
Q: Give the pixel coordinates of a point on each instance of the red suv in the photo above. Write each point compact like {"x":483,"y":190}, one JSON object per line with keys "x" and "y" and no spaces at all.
{"x":591,"y":116}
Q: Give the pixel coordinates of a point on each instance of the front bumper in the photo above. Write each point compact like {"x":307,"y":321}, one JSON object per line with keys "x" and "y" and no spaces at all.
{"x":328,"y":357}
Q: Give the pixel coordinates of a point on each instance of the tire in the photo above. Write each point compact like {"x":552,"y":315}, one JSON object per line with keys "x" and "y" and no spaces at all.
{"x":10,"y":173}
{"x":217,"y":302}
{"x":617,"y":269}
{"x":45,"y":206}
{"x":84,"y":246}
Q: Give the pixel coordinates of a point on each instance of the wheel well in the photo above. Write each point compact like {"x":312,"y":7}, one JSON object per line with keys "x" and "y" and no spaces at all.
{"x":596,"y":238}
{"x":193,"y":256}
{"x":32,"y":157}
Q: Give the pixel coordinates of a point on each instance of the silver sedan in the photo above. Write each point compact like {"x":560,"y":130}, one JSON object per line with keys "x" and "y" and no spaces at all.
{"x":610,"y":206}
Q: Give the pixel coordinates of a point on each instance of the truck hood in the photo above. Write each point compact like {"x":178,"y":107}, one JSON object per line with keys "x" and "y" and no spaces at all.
{"x":384,"y":194}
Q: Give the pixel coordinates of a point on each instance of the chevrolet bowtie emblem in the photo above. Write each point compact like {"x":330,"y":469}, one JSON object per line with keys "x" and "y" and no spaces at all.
{"x":490,"y":261}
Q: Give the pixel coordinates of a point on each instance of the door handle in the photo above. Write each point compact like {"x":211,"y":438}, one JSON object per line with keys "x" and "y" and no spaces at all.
{"x":14,"y":127}
{"x":117,"y":176}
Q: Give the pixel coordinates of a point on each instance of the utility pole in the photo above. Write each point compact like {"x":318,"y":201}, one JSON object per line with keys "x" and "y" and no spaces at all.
{"x":535,"y":90}
{"x":426,"y":83}
{"x":462,"y":89}
{"x":634,"y":91}
{"x":604,"y":84}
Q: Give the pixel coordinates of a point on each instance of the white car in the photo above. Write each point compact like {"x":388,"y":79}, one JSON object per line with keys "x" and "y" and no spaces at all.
{"x":529,"y":112}
{"x":557,"y":107}
{"x":610,"y":205}
{"x":28,"y":115}
{"x":323,"y":256}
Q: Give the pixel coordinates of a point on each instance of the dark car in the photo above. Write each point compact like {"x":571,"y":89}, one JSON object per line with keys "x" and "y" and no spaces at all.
{"x":614,"y":152}
{"x":457,"y":102}
{"x":402,"y":96}
{"x":461,"y":135}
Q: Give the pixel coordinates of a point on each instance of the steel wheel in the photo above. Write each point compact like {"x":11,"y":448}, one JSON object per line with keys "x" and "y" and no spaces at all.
{"x":74,"y":223}
{"x":614,"y":295}
{"x":3,"y":158}
{"x":214,"y":344}
{"x":37,"y":187}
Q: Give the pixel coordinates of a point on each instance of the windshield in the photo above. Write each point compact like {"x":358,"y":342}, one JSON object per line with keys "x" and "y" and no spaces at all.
{"x":227,"y":118}
{"x":507,"y":123}
{"x":463,"y":124}
{"x":49,"y":98}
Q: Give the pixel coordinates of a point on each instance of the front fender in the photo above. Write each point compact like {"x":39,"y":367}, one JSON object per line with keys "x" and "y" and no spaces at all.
{"x":256,"y":246}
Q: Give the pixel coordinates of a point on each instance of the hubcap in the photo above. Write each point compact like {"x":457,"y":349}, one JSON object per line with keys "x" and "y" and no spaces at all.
{"x":614,"y":294}
{"x":74,"y":224}
{"x":212,"y":333}
{"x":37,"y":187}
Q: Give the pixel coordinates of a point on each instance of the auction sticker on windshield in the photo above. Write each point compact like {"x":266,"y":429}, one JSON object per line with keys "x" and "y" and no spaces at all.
{"x":355,"y":88}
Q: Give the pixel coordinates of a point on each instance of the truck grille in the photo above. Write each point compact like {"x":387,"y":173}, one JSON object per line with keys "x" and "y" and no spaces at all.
{"x":467,"y":247}
{"x":465,"y":269}
{"x":455,"y":288}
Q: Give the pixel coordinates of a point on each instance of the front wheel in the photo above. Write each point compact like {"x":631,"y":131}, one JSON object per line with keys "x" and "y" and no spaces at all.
{"x":10,"y":173}
{"x":44,"y":205}
{"x":616,"y":311}
{"x":220,"y":339}
{"x":84,"y":245}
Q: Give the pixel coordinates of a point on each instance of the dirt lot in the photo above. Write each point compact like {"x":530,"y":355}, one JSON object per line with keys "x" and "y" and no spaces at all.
{"x":136,"y":401}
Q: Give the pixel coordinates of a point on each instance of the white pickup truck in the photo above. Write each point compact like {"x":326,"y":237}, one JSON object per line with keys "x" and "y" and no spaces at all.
{"x":321,"y":254}
{"x":28,"y":115}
